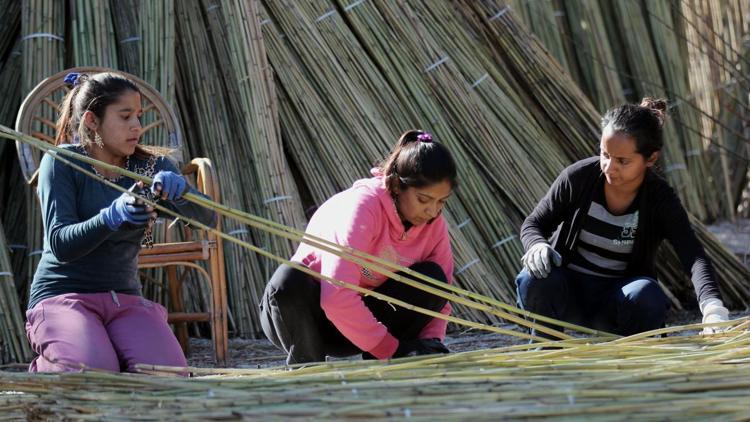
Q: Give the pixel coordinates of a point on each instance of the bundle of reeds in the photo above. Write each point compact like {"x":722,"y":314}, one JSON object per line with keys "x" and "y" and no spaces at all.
{"x":276,"y":197}
{"x":10,"y":26}
{"x":157,"y":64}
{"x":581,"y":124}
{"x":670,"y":49}
{"x":12,"y":204}
{"x":13,"y":344}
{"x":43,"y":48}
{"x":646,"y":46}
{"x":127,"y":34}
{"x":10,"y":88}
{"x":207,"y":114}
{"x":546,"y":19}
{"x":718,"y":59}
{"x":597,"y":61}
{"x":92,"y":31}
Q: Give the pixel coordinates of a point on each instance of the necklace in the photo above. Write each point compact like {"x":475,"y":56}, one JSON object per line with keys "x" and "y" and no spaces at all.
{"x":111,"y":179}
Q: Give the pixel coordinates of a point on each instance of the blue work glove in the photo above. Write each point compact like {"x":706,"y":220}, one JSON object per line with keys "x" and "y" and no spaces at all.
{"x":127,"y":210}
{"x":168,"y":185}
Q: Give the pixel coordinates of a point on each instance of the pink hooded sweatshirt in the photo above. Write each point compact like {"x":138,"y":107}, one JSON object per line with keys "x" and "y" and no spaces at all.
{"x":364,"y":217}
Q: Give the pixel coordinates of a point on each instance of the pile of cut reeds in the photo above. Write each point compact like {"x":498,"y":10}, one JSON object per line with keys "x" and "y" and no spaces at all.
{"x":655,"y":378}
{"x":349,"y":76}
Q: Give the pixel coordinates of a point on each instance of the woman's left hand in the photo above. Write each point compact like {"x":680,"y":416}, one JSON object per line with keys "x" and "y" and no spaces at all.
{"x":168,"y":185}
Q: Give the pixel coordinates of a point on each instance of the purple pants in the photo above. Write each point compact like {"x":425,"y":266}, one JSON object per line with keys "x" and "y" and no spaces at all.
{"x":109,"y":331}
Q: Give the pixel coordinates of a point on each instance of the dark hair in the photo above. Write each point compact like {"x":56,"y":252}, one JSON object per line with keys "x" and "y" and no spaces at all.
{"x":418,"y":161}
{"x":94,"y":93}
{"x":644,"y":122}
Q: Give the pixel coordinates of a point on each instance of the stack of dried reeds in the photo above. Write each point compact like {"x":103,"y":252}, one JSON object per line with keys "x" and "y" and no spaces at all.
{"x":127,"y":35}
{"x":350,"y":76}
{"x":13,"y":344}
{"x":580,"y":126}
{"x":207,"y":115}
{"x":93,"y":34}
{"x":43,"y":48}
{"x":718,"y":57}
{"x":690,"y":52}
{"x":12,"y":215}
{"x":251,"y":82}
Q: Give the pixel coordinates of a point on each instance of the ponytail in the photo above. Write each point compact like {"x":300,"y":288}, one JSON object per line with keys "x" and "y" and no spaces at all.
{"x":418,"y":161}
{"x":64,"y":126}
{"x":644,"y":122}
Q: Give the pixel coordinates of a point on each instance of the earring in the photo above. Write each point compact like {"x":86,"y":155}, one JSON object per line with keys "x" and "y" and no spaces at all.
{"x":98,"y":140}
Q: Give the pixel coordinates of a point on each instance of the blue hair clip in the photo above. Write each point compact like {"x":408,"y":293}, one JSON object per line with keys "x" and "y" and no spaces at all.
{"x":424,"y":137}
{"x":72,"y":79}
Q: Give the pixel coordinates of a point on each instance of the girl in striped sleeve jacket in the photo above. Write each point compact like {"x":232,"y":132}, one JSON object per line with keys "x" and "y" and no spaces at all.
{"x":591,"y":242}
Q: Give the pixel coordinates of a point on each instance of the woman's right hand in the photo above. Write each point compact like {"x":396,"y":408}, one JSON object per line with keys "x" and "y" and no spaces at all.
{"x":539,"y":259}
{"x":128,"y":209}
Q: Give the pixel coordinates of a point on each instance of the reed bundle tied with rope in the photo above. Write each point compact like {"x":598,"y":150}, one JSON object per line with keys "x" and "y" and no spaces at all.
{"x":43,"y":54}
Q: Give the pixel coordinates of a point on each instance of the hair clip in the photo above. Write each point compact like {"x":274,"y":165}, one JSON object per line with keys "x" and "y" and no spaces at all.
{"x":72,"y":79}
{"x":424,"y":137}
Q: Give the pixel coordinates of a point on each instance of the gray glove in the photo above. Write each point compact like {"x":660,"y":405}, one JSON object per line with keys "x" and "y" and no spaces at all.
{"x":713,"y":310}
{"x":539,"y":259}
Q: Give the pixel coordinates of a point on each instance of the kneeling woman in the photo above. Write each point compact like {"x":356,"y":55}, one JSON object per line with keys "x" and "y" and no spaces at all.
{"x":591,"y":242}
{"x":85,"y":307}
{"x":395,"y":215}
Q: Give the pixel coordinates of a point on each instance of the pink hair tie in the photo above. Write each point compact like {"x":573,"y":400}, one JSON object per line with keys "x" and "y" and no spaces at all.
{"x":424,"y":137}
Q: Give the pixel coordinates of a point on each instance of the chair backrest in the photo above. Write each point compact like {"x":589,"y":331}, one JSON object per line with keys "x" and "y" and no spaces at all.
{"x":39,"y":110}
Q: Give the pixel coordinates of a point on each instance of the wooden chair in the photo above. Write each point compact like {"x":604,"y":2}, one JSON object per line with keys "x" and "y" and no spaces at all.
{"x":36,"y":117}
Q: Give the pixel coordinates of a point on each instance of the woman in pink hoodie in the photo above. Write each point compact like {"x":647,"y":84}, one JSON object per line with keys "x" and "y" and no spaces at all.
{"x":395,"y":215}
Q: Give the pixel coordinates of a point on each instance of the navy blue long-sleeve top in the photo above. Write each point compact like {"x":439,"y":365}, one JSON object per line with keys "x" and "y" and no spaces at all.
{"x":81,"y":254}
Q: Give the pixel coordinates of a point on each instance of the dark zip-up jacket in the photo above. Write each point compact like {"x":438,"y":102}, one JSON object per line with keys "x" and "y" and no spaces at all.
{"x":558,"y":218}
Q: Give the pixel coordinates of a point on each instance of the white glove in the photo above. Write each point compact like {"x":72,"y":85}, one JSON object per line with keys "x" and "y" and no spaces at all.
{"x":539,"y":259}
{"x":713,"y":310}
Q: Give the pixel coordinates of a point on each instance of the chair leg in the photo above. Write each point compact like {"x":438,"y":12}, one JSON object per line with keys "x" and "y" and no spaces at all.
{"x":177,"y":305}
{"x":219,"y":329}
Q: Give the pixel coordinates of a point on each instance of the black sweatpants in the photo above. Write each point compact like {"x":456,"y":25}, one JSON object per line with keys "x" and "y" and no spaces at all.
{"x":293,"y":320}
